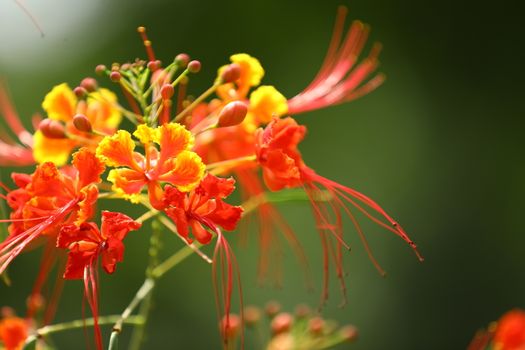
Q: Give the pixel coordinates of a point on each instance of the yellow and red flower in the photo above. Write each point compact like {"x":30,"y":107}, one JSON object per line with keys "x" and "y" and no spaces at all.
{"x":174,"y":163}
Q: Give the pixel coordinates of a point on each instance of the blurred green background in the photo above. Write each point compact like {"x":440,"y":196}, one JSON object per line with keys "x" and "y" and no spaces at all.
{"x":439,"y":146}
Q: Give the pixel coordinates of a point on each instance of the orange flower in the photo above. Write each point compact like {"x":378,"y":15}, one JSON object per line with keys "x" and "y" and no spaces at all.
{"x":510,"y":332}
{"x":13,"y":332}
{"x":62,"y":105}
{"x":175,"y":163}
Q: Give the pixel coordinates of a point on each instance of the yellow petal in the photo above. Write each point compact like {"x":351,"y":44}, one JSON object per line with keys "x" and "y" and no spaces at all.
{"x":101,"y":110}
{"x":266,"y":102}
{"x":146,"y":135}
{"x":186,"y":172}
{"x":251,"y":69}
{"x":117,"y":150}
{"x":60,"y":103}
{"x":173,"y":139}
{"x":51,"y":150}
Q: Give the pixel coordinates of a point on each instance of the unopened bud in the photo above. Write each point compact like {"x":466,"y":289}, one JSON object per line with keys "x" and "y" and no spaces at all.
{"x":302,"y":310}
{"x":182,"y":59}
{"x":316,"y":325}
{"x":230,"y":326}
{"x":252,"y":315}
{"x":100,"y":69}
{"x":82,"y":123}
{"x":52,"y":129}
{"x":272,"y":308}
{"x":126,"y":66}
{"x":89,"y":84}
{"x":167,"y":91}
{"x":35,"y":302}
{"x":194,"y":66}
{"x":153,"y":65}
{"x":6,"y":312}
{"x":282,"y":323}
{"x":231,"y":73}
{"x":80,"y":92}
{"x":232,"y":114}
{"x":115,"y":76}
{"x":349,"y":333}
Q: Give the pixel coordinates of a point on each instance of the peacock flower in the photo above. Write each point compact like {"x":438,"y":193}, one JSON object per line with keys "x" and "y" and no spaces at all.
{"x":174,"y":163}
{"x":341,"y":78}
{"x":62,"y":106}
{"x":510,"y":331}
{"x":86,"y":244}
{"x":203,"y":207}
{"x":283,"y":167}
{"x":251,"y":73}
{"x":13,"y":332}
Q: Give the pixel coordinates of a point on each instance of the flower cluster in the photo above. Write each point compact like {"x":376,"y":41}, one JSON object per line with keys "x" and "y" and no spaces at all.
{"x":180,"y":162}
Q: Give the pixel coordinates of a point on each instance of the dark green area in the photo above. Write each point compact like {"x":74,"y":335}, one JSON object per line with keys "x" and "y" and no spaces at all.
{"x":439,"y":145}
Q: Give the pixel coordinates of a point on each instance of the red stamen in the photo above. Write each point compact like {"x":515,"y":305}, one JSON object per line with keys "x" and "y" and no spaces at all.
{"x":147,"y":43}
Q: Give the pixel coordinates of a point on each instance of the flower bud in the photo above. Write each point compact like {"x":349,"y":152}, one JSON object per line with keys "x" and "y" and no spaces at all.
{"x":100,"y":69}
{"x":252,"y":315}
{"x":52,"y":129}
{"x":302,"y":311}
{"x":282,"y":323}
{"x":80,"y":92}
{"x":115,"y":76}
{"x":194,"y":66}
{"x":6,"y":312}
{"x":349,"y":333}
{"x":167,"y":91}
{"x":316,"y":325}
{"x":272,"y":308}
{"x":182,"y":59}
{"x":232,"y":114}
{"x":153,"y":65}
{"x":82,"y":123}
{"x":230,"y":326}
{"x":231,"y":73}
{"x":89,"y":84}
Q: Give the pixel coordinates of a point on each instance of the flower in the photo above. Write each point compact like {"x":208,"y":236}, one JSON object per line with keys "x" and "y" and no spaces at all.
{"x":510,"y":331}
{"x":203,"y":206}
{"x":13,"y":332}
{"x":61,"y":105}
{"x":175,"y":163}
{"x":86,"y":243}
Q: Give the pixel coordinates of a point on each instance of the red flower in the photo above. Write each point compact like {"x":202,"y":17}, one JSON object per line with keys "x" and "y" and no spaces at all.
{"x":13,"y":332}
{"x":86,"y":243}
{"x":510,"y":332}
{"x":283,"y":167}
{"x":203,"y":206}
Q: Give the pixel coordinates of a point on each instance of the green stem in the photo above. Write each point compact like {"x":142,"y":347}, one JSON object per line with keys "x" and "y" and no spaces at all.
{"x":76,"y":324}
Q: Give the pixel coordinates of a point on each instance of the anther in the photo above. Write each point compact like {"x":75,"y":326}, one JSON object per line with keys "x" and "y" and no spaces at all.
{"x":82,"y":123}
{"x":52,"y":129}
{"x":231,"y":73}
{"x":232,"y":114}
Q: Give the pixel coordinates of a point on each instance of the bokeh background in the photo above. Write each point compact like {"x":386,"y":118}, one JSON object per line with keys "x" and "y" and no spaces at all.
{"x":439,"y":145}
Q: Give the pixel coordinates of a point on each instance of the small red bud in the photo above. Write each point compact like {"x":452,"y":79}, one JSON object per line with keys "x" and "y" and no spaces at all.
{"x":282,"y":323}
{"x":80,"y":92}
{"x":182,"y":59}
{"x":231,"y":73}
{"x":316,"y":325}
{"x":302,"y":310}
{"x":6,"y":312}
{"x":272,"y":308}
{"x":126,"y":66}
{"x":167,"y":91}
{"x":232,"y":114}
{"x":82,"y":123}
{"x":89,"y":84}
{"x":349,"y":333}
{"x":115,"y":76}
{"x":100,"y":69}
{"x":230,"y":326}
{"x":153,"y":65}
{"x":52,"y":129}
{"x":252,"y":315}
{"x":194,"y":66}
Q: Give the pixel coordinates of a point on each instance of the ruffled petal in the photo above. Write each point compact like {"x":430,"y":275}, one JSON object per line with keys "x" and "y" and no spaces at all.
{"x":117,"y":150}
{"x":60,"y":103}
{"x":51,"y":150}
{"x":186,"y":171}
